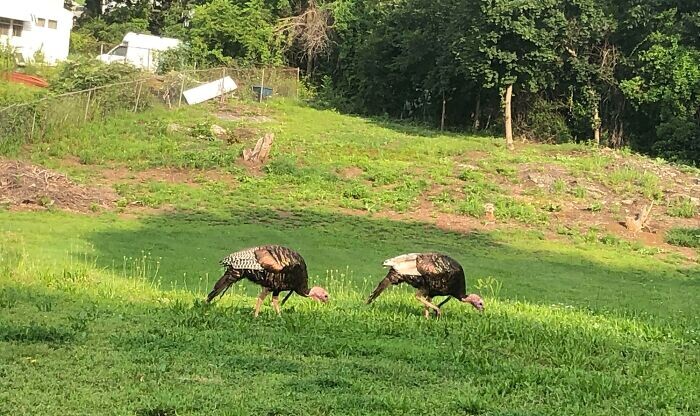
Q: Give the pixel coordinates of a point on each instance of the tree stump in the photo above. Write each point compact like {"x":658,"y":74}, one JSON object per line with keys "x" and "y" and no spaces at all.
{"x":489,"y":210}
{"x":261,"y":151}
{"x":639,"y":222}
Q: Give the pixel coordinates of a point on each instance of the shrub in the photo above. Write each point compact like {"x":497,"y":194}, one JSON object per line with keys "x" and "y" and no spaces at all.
{"x":681,"y":207}
{"x":85,"y":73}
{"x":545,"y":123}
{"x":684,"y":237}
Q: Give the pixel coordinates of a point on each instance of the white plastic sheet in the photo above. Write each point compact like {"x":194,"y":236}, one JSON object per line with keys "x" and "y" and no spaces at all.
{"x":209,"y":90}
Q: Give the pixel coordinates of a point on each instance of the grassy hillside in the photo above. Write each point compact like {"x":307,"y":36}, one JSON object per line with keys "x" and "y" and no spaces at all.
{"x":100,"y":306}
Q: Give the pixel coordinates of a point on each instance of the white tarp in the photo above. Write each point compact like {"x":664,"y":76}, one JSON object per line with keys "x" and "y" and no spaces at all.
{"x":210,"y":90}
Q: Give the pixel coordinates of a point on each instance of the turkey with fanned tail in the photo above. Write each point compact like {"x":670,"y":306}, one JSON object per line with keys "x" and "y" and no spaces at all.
{"x":275,"y":268}
{"x":432,"y":274}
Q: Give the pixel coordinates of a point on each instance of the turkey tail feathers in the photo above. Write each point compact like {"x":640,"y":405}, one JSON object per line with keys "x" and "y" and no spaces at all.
{"x":221,"y":286}
{"x":386,"y":282}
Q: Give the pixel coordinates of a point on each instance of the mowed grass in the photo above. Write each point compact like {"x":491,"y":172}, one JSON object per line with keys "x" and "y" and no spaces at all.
{"x":103,"y":315}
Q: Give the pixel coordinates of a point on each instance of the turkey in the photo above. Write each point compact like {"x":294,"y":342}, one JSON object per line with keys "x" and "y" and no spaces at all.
{"x":433,"y":274}
{"x":275,"y":268}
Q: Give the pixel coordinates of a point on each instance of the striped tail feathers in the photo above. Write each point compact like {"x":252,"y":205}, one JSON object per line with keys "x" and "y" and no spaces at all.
{"x":391,"y":278}
{"x":222,"y":285}
{"x":379,"y":289}
{"x":405,"y":264}
{"x":400,"y":259}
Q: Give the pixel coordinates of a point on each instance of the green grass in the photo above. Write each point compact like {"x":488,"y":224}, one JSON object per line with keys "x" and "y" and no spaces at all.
{"x":95,"y":302}
{"x":102,"y":313}
{"x":682,"y":207}
{"x":684,"y":237}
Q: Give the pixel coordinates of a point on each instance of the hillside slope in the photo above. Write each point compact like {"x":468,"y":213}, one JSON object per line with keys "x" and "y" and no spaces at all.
{"x":110,"y":235}
{"x":321,"y":159}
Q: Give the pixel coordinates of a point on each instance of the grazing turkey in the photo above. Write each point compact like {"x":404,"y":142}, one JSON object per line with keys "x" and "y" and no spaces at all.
{"x":433,"y":275}
{"x":275,"y":268}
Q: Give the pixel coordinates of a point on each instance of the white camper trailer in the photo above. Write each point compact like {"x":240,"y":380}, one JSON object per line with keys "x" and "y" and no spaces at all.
{"x":139,"y":50}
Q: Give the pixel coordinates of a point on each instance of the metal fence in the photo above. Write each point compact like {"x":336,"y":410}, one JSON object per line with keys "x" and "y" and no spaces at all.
{"x":55,"y":114}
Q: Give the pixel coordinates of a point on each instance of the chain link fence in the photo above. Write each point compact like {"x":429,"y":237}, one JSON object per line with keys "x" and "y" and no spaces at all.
{"x":37,"y":120}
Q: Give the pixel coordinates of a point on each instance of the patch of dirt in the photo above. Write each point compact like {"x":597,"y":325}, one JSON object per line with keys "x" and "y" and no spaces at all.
{"x":174,"y":175}
{"x":240,"y":112}
{"x":242,"y":134}
{"x":27,"y":186}
{"x":350,"y":172}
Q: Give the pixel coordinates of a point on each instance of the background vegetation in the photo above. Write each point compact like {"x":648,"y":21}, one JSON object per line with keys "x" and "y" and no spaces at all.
{"x":628,"y":68}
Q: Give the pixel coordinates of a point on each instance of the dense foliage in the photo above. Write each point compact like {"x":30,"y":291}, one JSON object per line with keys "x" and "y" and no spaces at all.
{"x":629,"y":70}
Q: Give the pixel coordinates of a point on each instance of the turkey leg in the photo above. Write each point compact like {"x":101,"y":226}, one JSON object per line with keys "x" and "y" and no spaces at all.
{"x":276,"y":305}
{"x":260,"y":301}
{"x":422,"y":299}
{"x":426,"y":310}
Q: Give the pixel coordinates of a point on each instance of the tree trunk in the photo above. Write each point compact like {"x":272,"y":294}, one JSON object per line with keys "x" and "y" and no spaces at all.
{"x":309,"y":65}
{"x":509,"y":117}
{"x":477,"y":112}
{"x":442,"y":118}
{"x":596,"y":126}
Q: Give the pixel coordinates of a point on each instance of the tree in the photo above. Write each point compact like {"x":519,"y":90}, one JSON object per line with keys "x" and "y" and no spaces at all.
{"x":236,"y":30}
{"x":310,"y":30}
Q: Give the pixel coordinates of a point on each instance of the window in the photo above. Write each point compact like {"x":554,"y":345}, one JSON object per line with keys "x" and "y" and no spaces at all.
{"x":53,"y":24}
{"x":40,"y":22}
{"x":119,"y":51}
{"x":17,"y":27}
{"x":5,"y":27}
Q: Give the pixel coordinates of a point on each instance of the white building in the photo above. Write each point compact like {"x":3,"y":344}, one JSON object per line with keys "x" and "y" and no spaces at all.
{"x":36,"y":26}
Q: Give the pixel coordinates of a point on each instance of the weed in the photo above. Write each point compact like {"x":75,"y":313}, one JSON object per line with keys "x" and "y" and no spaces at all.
{"x":685,"y":237}
{"x":559,"y":186}
{"x":682,"y":207}
{"x":596,"y":206}
{"x":579,"y":192}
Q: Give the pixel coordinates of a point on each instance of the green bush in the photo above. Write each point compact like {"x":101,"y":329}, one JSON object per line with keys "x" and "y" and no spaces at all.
{"x":678,"y":140}
{"x":86,"y":73}
{"x":84,"y":43}
{"x":545,"y":123}
{"x":682,"y":208}
{"x":684,"y":237}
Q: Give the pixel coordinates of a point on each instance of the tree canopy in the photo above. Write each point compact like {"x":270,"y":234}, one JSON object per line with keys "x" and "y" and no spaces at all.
{"x":624,"y":73}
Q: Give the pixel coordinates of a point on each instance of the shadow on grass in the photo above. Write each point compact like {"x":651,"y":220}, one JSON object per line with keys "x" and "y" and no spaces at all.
{"x":184,"y":250}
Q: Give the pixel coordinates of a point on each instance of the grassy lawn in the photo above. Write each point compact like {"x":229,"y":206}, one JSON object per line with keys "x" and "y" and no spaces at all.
{"x":109,"y":310}
{"x":101,"y":312}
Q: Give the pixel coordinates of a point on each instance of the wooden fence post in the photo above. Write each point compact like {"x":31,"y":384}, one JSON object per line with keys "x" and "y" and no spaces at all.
{"x":223,"y":85}
{"x":262,"y":85}
{"x":87,"y":105}
{"x":182,"y":90}
{"x":138,"y":96}
{"x":31,"y":134}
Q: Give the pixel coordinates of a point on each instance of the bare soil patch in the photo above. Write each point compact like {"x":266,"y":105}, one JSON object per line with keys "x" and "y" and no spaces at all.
{"x":237,"y":111}
{"x":174,"y":175}
{"x":350,"y":172}
{"x":27,"y":186}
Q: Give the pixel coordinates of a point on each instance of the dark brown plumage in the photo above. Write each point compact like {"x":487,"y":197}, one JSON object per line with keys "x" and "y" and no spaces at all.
{"x":275,"y":268}
{"x":432,"y":274}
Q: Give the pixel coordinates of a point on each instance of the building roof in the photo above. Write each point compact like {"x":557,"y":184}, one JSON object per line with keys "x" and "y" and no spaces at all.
{"x":150,"y":42}
{"x":15,"y":10}
{"x":26,"y":10}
